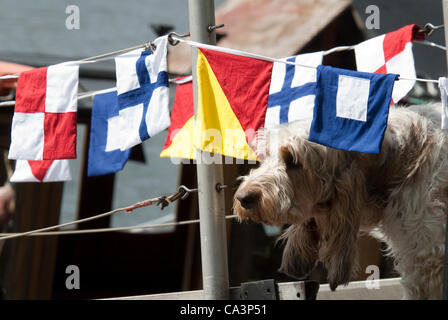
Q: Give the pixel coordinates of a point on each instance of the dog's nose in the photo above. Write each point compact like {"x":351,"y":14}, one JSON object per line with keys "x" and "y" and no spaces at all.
{"x":248,"y":199}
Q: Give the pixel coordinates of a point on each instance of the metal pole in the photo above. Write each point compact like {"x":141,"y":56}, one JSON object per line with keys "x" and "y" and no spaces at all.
{"x":445,"y":272}
{"x":215,"y":276}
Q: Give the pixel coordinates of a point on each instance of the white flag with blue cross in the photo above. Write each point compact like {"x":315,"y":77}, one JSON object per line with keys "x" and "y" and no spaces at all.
{"x":143,"y":96}
{"x":291,"y":92}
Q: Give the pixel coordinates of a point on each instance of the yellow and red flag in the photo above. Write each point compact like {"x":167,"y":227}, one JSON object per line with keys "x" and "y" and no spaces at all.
{"x":179,"y":141}
{"x":237,"y":96}
{"x":232,"y":101}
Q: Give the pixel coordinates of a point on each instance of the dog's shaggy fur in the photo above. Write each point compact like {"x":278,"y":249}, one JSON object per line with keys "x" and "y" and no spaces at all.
{"x":328,"y":196}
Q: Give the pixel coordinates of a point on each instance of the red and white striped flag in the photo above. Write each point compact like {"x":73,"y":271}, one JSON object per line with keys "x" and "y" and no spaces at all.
{"x":391,"y":53}
{"x":44,"y":121}
{"x":41,"y":171}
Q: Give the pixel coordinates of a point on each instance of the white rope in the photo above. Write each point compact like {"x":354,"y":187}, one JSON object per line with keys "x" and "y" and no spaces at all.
{"x":338,"y":49}
{"x":347,"y":48}
{"x":7,"y":103}
{"x":75,"y":62}
{"x":22,"y":234}
{"x":256,"y":56}
{"x":81,"y":96}
{"x":89,"y":94}
{"x":10,"y":76}
{"x":239,"y":52}
{"x":101,"y":57}
{"x":102,"y":230}
{"x":181,"y":193}
{"x":418,"y":79}
{"x":111,"y":55}
{"x":183,"y":80}
{"x":430,"y":44}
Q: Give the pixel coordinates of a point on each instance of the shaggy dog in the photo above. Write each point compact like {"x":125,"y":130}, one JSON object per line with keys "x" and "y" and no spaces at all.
{"x":328,"y":196}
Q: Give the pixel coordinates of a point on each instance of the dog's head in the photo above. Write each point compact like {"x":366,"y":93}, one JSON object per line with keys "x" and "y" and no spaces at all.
{"x":318,"y":190}
{"x":296,"y":180}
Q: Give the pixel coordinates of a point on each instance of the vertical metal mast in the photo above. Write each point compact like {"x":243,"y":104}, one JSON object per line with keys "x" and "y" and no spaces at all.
{"x":211,"y":200}
{"x":445,"y":272}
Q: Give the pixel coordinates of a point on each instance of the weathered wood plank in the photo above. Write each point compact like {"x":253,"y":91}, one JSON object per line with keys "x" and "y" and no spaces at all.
{"x":389,"y":289}
{"x":286,"y":290}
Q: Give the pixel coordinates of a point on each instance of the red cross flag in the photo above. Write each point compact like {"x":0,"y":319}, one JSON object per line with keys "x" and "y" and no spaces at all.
{"x":391,"y":53}
{"x":44,"y":121}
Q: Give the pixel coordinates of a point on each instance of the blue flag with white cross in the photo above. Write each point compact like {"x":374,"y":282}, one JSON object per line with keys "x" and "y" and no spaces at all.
{"x":104,"y":155}
{"x":351,"y":109}
{"x":291,"y":91}
{"x":143,"y":96}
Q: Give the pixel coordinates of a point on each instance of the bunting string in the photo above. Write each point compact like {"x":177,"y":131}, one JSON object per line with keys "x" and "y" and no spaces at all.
{"x":430,"y":44}
{"x":22,"y":234}
{"x":111,"y":55}
{"x":89,"y":94}
{"x":347,"y":48}
{"x":265,"y":58}
{"x":103,"y":230}
{"x":181,"y":193}
{"x":81,"y":96}
{"x":95,"y":59}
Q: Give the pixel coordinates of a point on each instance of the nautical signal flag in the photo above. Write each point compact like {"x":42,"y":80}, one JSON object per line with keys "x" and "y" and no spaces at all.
{"x":179,"y":141}
{"x":291,"y":93}
{"x":105,"y":155}
{"x":238,"y":96}
{"x":41,"y":171}
{"x":232,"y":101}
{"x":391,"y":53}
{"x":351,"y":109}
{"x":44,"y":121}
{"x":143,"y":96}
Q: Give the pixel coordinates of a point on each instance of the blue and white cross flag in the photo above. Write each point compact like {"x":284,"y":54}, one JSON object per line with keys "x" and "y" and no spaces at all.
{"x":291,"y":92}
{"x":143,"y":96}
{"x":351,"y":109}
{"x":104,"y":155}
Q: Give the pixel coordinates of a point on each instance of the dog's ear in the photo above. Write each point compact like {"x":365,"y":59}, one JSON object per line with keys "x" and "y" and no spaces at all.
{"x":340,"y":258}
{"x":301,"y":250}
{"x":340,"y":227}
